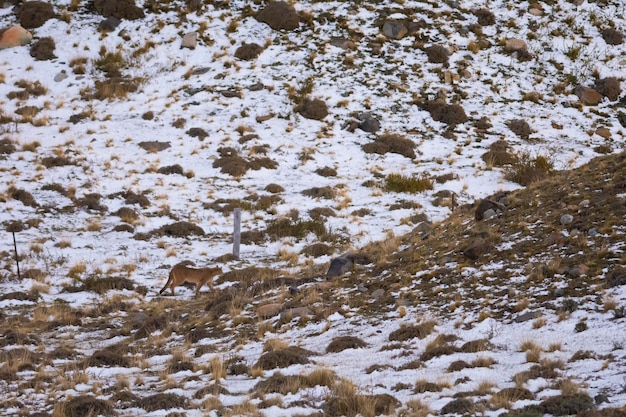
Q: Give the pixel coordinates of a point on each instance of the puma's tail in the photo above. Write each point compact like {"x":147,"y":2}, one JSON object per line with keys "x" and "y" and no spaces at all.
{"x":167,"y":284}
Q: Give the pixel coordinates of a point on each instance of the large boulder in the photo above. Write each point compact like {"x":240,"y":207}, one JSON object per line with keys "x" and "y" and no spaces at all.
{"x":279,"y":15}
{"x":15,"y":36}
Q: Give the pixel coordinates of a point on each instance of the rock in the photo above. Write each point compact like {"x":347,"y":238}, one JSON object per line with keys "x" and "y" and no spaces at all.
{"x":269,"y":310}
{"x":394,"y":29}
{"x":378,"y":294}
{"x":588,"y":96}
{"x":368,"y":122}
{"x":190,"y":40}
{"x":566,"y":219}
{"x":109,"y":24}
{"x":279,"y":15}
{"x":603,"y":132}
{"x":513,"y":45}
{"x":476,"y":249}
{"x":339,"y":266}
{"x":489,"y":214}
{"x":485,"y":205}
{"x":531,"y":315}
{"x":15,"y":36}
{"x":584,"y":204}
{"x":60,"y":76}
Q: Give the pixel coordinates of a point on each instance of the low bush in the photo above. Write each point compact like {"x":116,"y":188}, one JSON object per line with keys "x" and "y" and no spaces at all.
{"x":528,"y":169}
{"x":402,"y":184}
{"x":43,"y":49}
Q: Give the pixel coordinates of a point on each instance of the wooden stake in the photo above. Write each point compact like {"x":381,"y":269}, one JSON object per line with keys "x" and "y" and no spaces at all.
{"x":17,"y":259}
{"x":237,"y":232}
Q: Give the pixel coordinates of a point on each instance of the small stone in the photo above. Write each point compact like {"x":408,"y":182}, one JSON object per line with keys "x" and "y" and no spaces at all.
{"x":566,"y":219}
{"x":513,"y":45}
{"x":584,"y":204}
{"x":60,"y":76}
{"x":489,"y":213}
{"x":190,"y":40}
{"x":603,"y":132}
{"x":378,"y":294}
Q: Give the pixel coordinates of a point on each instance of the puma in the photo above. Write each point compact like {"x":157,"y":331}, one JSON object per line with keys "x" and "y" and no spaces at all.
{"x":199,"y":276}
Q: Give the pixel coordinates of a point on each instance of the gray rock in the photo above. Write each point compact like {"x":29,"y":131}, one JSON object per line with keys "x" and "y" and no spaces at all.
{"x":394,"y":29}
{"x":368,"y":123}
{"x":486,"y":204}
{"x":109,"y":24}
{"x":60,"y":76}
{"x":566,"y":219}
{"x":531,"y":315}
{"x":378,"y":294}
{"x":489,"y":213}
{"x":339,"y":266}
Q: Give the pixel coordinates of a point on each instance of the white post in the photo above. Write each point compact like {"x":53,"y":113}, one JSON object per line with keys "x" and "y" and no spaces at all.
{"x":237,"y":233}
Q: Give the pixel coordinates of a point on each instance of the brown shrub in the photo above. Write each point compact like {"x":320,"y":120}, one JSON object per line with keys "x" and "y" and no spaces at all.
{"x":248,"y":51}
{"x":108,"y":357}
{"x":91,"y":201}
{"x":149,"y":115}
{"x":342,"y":343}
{"x":24,"y":196}
{"x":127,"y":213}
{"x":566,"y":405}
{"x":283,"y":358}
{"x":33,"y":14}
{"x":498,"y":154}
{"x":171,"y":170}
{"x":317,"y":249}
{"x":116,"y":87}
{"x":609,"y":87}
{"x":485,"y":17}
{"x":392,"y":143}
{"x":43,"y":49}
{"x":86,"y":405}
{"x":520,"y":127}
{"x":320,"y":192}
{"x":315,"y":109}
{"x":274,"y":188}
{"x":458,"y":406}
{"x":326,"y":172}
{"x":121,"y":9}
{"x":162,"y":402}
{"x":612,"y":36}
{"x":7,"y":146}
{"x":279,"y":383}
{"x":232,"y":165}
{"x":152,"y":324}
{"x":318,"y":213}
{"x":458,"y":366}
{"x":451,"y":114}
{"x":134,"y":198}
{"x":279,"y":15}
{"x":197,"y":132}
{"x":258,"y":163}
{"x":56,"y":161}
{"x":437,"y":54}
{"x":181,"y":229}
{"x":409,"y":332}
